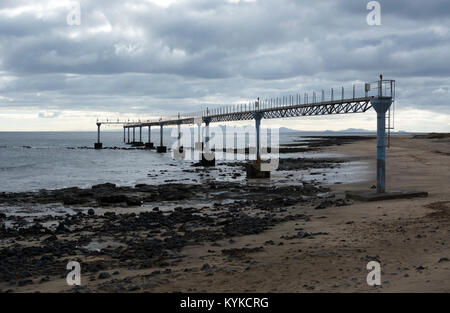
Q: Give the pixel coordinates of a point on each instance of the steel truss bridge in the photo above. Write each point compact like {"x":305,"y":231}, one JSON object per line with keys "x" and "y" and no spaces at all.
{"x":378,"y":95}
{"x":357,"y":105}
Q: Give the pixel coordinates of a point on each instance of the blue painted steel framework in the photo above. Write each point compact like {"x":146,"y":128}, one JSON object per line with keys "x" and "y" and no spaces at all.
{"x":381,"y":102}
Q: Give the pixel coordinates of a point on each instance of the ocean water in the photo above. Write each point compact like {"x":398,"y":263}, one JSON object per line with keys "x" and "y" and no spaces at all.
{"x":31,"y":161}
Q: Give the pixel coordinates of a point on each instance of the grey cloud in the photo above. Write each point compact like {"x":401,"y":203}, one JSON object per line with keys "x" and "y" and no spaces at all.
{"x":198,"y":53}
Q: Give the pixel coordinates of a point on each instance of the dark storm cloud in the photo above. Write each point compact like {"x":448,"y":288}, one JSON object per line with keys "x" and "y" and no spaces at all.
{"x":135,"y":55}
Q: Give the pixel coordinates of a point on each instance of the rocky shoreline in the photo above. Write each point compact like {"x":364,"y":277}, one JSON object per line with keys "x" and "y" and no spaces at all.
{"x":36,"y":249}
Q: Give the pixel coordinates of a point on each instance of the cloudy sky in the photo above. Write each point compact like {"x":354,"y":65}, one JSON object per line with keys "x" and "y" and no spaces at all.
{"x":145,"y":58}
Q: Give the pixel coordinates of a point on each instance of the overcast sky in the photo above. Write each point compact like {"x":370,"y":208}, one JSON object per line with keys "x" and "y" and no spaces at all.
{"x":144,"y":58}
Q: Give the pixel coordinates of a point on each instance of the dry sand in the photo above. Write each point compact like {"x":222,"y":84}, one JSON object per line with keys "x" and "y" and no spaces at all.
{"x":410,"y":238}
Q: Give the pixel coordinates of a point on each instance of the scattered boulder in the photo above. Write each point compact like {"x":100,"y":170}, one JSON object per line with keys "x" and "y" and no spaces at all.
{"x":324,"y":204}
{"x":104,"y":186}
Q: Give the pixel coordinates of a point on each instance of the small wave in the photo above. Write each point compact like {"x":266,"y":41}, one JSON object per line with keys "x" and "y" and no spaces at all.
{"x":3,"y":168}
{"x":31,"y":147}
{"x":15,"y":147}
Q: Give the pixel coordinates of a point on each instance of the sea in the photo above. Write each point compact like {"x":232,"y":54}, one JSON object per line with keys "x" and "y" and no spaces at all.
{"x":31,"y":161}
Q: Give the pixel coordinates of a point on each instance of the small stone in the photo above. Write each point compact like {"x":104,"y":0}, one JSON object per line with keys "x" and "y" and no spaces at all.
{"x":104,"y":275}
{"x":302,"y":234}
{"x":91,"y":212}
{"x":206,"y":266}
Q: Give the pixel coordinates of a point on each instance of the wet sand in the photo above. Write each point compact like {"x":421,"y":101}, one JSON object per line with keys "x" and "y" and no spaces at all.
{"x":283,"y":239}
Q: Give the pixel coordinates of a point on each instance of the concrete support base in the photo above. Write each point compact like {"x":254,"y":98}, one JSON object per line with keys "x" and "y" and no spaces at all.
{"x":98,"y":145}
{"x":365,"y":195}
{"x":254,"y":171}
{"x":137,"y":144}
{"x":161,"y":149}
{"x":208,"y":159}
{"x":149,"y":145}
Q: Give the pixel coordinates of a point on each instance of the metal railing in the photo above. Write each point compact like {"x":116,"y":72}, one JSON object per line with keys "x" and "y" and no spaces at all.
{"x":357,"y":92}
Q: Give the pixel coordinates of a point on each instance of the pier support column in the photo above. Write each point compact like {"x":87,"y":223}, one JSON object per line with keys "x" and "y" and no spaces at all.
{"x":98,"y":144}
{"x":178,"y":153}
{"x":161,"y":148}
{"x":138,"y":143}
{"x":180,"y":147}
{"x":254,"y":170}
{"x":199,"y":143}
{"x":124,"y":136}
{"x":381,"y":105}
{"x":134,"y":135}
{"x":258,"y":140}
{"x":208,"y":157}
{"x":128,"y":128}
{"x":149,"y":144}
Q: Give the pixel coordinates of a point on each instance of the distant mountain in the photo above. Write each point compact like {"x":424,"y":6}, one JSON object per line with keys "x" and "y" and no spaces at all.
{"x":355,"y":130}
{"x":349,"y":130}
{"x":288,"y":130}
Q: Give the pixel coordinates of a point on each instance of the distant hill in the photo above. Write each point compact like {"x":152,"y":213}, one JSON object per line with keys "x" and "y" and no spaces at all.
{"x":349,"y":130}
{"x":355,"y":130}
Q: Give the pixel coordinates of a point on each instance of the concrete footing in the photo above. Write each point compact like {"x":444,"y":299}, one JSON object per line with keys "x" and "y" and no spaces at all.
{"x":161,"y":149}
{"x":149,"y":145}
{"x":98,"y":145}
{"x":208,"y":159}
{"x":137,"y":144}
{"x":254,"y":171}
{"x":365,"y":195}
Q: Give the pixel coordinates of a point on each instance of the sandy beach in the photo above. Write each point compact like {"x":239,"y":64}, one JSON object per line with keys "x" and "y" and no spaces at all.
{"x":410,"y":237}
{"x":316,"y":241}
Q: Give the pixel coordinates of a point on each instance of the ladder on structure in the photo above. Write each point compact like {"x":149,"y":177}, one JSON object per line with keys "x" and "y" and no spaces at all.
{"x":390,"y":118}
{"x":390,"y":124}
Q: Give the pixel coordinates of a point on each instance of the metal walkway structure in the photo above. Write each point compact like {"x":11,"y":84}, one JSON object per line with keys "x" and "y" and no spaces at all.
{"x":378,"y":95}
